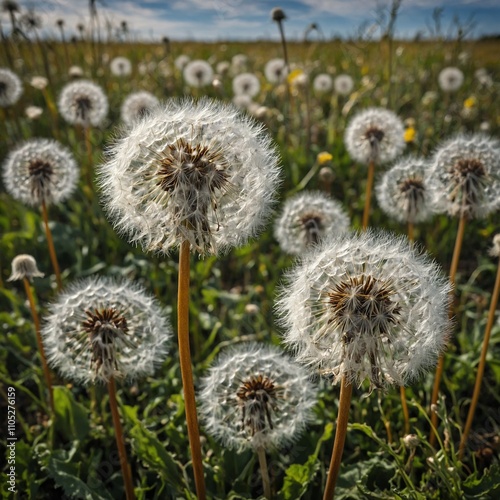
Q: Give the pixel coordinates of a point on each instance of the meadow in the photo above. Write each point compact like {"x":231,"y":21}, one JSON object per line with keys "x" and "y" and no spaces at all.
{"x":70,"y":451}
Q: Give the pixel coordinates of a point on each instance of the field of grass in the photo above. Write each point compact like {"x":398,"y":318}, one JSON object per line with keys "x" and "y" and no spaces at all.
{"x":71,"y":452}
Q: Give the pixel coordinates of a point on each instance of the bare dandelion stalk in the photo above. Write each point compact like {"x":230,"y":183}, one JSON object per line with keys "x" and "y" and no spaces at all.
{"x":482,"y":364}
{"x":125,"y":466}
{"x":186,"y":368}
{"x":50,"y":243}
{"x":264,"y":471}
{"x":340,"y":434}
{"x":36,"y":321}
{"x":368,"y":193}
{"x":440,"y":365}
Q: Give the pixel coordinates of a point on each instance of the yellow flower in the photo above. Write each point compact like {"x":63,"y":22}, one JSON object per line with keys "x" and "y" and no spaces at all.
{"x":365,"y":69}
{"x":324,"y":157}
{"x":410,"y":134}
{"x":470,"y":102}
{"x":294,"y":74}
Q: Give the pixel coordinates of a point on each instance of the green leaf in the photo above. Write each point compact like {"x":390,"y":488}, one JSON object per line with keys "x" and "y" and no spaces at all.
{"x":486,"y":486}
{"x":72,"y":418}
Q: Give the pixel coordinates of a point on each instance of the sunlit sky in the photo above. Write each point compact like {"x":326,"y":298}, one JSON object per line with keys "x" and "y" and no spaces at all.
{"x":214,"y":20}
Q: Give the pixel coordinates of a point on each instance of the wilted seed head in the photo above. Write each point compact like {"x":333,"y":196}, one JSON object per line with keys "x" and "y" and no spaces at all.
{"x":136,"y":105}
{"x":196,"y":171}
{"x":198,"y":73}
{"x":366,"y":307}
{"x":40,"y":171}
{"x":10,"y":88}
{"x":467,"y":169}
{"x":24,"y":266}
{"x":404,"y":191}
{"x":83,"y":103}
{"x":277,"y":15}
{"x":255,"y":396}
{"x":100,"y":328}
{"x":375,"y":135}
{"x":306,"y":219}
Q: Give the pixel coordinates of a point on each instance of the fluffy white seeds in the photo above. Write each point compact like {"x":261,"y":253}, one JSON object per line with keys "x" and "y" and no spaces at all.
{"x":181,"y":61}
{"x":343,"y":84}
{"x":198,"y":73}
{"x":246,"y":84}
{"x":196,"y":171}
{"x":375,"y":134}
{"x":306,"y":219}
{"x":40,"y":170}
{"x":323,"y":83}
{"x":24,"y":266}
{"x":275,"y":70}
{"x":404,"y":192}
{"x":136,"y":105}
{"x":255,"y":396}
{"x":450,"y":79}
{"x":366,"y":307}
{"x":83,"y":103}
{"x":466,"y":174}
{"x":100,"y":328}
{"x":120,"y":66}
{"x":11,"y":88}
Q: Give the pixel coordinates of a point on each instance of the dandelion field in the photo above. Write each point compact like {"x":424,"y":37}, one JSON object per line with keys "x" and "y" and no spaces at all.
{"x":71,"y":452}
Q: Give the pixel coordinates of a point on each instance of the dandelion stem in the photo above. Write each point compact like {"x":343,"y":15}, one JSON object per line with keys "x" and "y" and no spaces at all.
{"x":440,"y":365}
{"x":404,"y":405}
{"x":186,"y":368}
{"x":36,"y":321}
{"x":368,"y":194}
{"x":50,"y":242}
{"x":340,"y":434}
{"x":127,"y":475}
{"x":482,"y":364}
{"x":88,"y":147}
{"x":411,"y":228}
{"x":264,"y":471}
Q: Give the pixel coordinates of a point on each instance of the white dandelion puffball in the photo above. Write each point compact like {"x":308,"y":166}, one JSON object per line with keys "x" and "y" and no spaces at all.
{"x":136,"y":105}
{"x":246,"y":84}
{"x":198,"y":73}
{"x":255,"y":396}
{"x":404,"y":192}
{"x":11,"y":88}
{"x":24,"y":266}
{"x":181,"y":61}
{"x":40,"y":171}
{"x":306,"y":219}
{"x":192,"y":170}
{"x":239,"y":63}
{"x":366,"y":307}
{"x":450,"y":79}
{"x":375,"y":135}
{"x":120,"y":66}
{"x":343,"y":84}
{"x":83,"y":103}
{"x":100,"y":328}
{"x":466,"y":174}
{"x":322,"y":83}
{"x":275,"y":70}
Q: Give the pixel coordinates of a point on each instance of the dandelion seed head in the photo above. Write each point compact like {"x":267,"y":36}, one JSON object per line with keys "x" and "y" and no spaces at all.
{"x":246,"y":84}
{"x":343,"y":84}
{"x":322,"y":83}
{"x":404,"y":193}
{"x":136,"y":105}
{"x":196,"y":171}
{"x":306,"y":219}
{"x":39,"y":82}
{"x":11,"y":88}
{"x":83,"y":103}
{"x":275,"y":70}
{"x":181,"y":61}
{"x":366,"y":307}
{"x":277,"y":14}
{"x":198,"y":73}
{"x":120,"y":66}
{"x":101,"y":328}
{"x":255,"y":396}
{"x":24,"y":266}
{"x":40,"y":170}
{"x":375,"y":134}
{"x":495,"y":249}
{"x":466,"y":174}
{"x":33,"y":112}
{"x":450,"y":79}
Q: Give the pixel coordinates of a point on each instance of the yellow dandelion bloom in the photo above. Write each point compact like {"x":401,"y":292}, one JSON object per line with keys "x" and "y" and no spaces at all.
{"x":470,"y":102}
{"x":294,"y":74}
{"x":410,"y":134}
{"x":324,"y":157}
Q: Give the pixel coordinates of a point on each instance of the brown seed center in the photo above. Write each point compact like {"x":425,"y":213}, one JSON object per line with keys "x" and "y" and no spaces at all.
{"x":374,"y":136}
{"x":83,"y":106}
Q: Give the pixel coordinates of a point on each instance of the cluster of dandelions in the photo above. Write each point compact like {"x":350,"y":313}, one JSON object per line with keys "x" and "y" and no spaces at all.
{"x":101,"y":329}
{"x":40,"y":171}
{"x":192,"y":171}
{"x":366,"y":307}
{"x":256,"y":397}
{"x":306,"y":219}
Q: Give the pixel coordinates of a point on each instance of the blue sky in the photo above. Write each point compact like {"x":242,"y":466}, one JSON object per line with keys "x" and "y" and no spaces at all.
{"x":250,"y":20}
